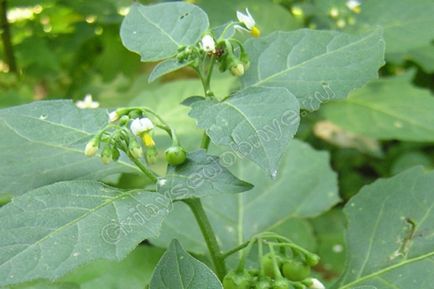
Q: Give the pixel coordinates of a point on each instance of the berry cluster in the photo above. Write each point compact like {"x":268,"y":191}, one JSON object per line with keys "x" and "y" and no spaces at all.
{"x":285,"y":266}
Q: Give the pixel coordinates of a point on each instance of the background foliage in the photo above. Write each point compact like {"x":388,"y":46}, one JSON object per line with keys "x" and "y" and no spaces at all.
{"x":66,"y":49}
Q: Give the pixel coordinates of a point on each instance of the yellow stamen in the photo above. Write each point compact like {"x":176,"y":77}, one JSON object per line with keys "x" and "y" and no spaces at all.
{"x":255,"y":32}
{"x":148,"y":140}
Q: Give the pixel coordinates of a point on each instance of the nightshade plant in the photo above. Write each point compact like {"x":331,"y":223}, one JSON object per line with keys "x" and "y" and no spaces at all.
{"x":62,"y":217}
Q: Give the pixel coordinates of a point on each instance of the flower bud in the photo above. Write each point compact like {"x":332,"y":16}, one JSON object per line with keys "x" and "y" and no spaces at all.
{"x":135,"y":149}
{"x":151,"y":155}
{"x":115,"y":154}
{"x":237,"y":69}
{"x":124,"y":120}
{"x":106,"y":155}
{"x":312,"y":259}
{"x":114,"y":116}
{"x":91,"y":147}
{"x":313,"y":283}
{"x":208,"y":44}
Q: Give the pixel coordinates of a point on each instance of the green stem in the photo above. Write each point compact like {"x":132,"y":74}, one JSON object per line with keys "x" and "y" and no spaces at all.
{"x":6,"y":38}
{"x":209,"y":236}
{"x":143,"y":168}
{"x":235,"y":250}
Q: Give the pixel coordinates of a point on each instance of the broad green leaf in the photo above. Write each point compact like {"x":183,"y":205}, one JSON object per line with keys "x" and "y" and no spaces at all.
{"x":134,"y":272}
{"x":178,"y":270}
{"x":386,"y":109}
{"x":300,"y":231}
{"x":407,"y":24}
{"x":256,"y":123}
{"x":329,"y":230}
{"x":305,"y":187}
{"x":407,"y":160}
{"x":390,"y":233}
{"x":201,"y":175}
{"x":166,"y":67}
{"x":43,"y":142}
{"x":315,"y":66}
{"x":156,"y":31}
{"x":51,"y":230}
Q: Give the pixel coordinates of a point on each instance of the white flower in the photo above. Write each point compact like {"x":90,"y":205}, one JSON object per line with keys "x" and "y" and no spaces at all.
{"x":113,"y":116}
{"x":141,"y":125}
{"x":316,"y":284}
{"x":354,"y":5}
{"x":208,"y":43}
{"x":87,"y":102}
{"x":248,"y":23}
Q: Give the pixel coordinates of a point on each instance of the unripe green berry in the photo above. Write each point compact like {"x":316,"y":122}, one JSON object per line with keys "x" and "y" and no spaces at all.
{"x":175,"y":155}
{"x":295,"y":270}
{"x":237,"y":280}
{"x":267,"y":263}
{"x":263,"y":283}
{"x":281,"y":283}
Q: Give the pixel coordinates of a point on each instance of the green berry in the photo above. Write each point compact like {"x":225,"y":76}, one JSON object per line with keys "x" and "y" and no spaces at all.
{"x":268,"y":264}
{"x":237,"y":280}
{"x":295,"y":270}
{"x":281,"y":283}
{"x":176,"y":155}
{"x":264,"y":283}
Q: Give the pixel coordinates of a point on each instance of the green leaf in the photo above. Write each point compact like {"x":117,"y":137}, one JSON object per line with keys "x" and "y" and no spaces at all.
{"x":51,"y":230}
{"x":305,"y":187}
{"x":178,"y":270}
{"x":134,"y":272}
{"x":201,"y":175}
{"x":156,"y":31}
{"x":386,"y":109}
{"x":166,"y":67}
{"x":315,"y":66}
{"x":390,"y":229}
{"x":407,"y":23}
{"x":256,"y":123}
{"x":329,"y":230}
{"x":43,"y":143}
